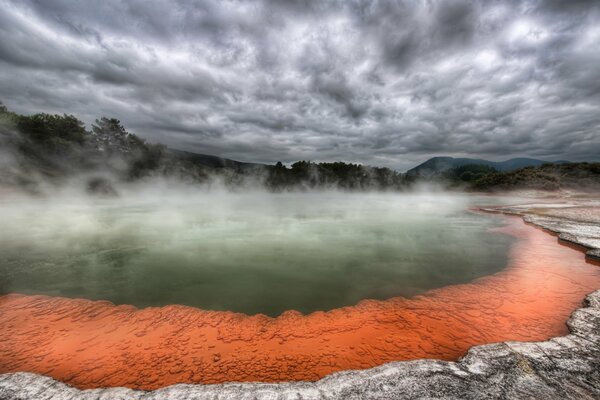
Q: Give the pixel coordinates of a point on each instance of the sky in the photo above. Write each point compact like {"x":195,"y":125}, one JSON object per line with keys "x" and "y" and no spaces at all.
{"x":385,"y":83}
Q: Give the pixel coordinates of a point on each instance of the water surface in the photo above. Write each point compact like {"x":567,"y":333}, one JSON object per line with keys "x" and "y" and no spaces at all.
{"x":251,"y":253}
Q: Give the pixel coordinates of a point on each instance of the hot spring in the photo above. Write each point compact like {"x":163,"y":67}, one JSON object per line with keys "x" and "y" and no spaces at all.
{"x":251,"y":253}
{"x":211,"y":287}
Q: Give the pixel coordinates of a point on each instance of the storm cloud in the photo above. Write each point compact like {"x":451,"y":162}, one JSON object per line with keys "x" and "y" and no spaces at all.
{"x":386,"y":83}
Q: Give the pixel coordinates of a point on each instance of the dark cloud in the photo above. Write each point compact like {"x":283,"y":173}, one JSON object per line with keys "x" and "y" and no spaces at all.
{"x":380,"y":82}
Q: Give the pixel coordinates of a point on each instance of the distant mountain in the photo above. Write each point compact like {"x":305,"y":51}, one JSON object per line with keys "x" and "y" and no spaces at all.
{"x":210,"y":161}
{"x":437,"y":165}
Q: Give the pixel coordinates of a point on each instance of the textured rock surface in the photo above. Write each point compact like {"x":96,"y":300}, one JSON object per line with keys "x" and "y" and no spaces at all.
{"x":566,"y":367}
{"x":574,"y":223}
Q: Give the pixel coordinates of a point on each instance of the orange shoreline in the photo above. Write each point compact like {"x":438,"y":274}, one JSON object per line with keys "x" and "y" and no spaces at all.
{"x":93,"y":344}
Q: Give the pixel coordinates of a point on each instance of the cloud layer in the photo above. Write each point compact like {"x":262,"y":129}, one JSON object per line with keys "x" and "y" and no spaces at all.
{"x":380,"y":82}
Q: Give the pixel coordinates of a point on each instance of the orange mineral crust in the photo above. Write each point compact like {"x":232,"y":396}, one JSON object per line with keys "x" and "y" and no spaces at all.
{"x":97,"y":344}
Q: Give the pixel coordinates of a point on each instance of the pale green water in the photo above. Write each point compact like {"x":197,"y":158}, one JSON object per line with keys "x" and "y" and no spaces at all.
{"x":253,"y":253}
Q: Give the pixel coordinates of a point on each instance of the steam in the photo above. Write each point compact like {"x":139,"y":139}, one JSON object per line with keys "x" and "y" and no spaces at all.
{"x":252,"y":251}
{"x":104,"y":215}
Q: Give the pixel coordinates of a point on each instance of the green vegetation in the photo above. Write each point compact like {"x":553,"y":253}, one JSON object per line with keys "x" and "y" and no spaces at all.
{"x":478,"y":177}
{"x":53,"y":130}
{"x":469,"y":173}
{"x":7,"y":118}
{"x":545,"y":177}
{"x":339,"y":175}
{"x":45,"y":148}
{"x":58,"y":147}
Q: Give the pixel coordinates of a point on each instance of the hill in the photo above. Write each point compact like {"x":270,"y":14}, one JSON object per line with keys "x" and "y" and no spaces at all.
{"x":577,"y":176}
{"x":215,"y":161}
{"x":436,"y":166}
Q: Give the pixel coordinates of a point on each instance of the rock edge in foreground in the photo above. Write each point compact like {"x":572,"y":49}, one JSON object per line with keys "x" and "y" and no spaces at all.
{"x":584,"y":233}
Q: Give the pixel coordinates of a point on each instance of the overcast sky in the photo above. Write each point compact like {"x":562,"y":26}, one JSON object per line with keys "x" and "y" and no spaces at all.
{"x":388,"y":83}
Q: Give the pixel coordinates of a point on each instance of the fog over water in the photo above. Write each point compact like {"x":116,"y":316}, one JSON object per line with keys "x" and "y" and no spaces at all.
{"x":251,"y":252}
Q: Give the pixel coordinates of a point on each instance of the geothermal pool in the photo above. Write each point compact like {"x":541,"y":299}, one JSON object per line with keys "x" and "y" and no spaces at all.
{"x":250,"y":253}
{"x":385,"y":278}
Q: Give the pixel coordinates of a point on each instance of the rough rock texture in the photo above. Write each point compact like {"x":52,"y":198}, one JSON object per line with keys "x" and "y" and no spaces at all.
{"x":578,"y":224}
{"x":566,"y":367}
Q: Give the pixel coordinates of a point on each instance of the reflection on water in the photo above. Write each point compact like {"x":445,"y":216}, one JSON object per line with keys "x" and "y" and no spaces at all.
{"x":252,"y":253}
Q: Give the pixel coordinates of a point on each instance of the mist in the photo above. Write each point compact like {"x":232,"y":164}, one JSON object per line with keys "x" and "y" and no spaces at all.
{"x":44,"y":154}
{"x":253,"y":251}
{"x":99,"y":213}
